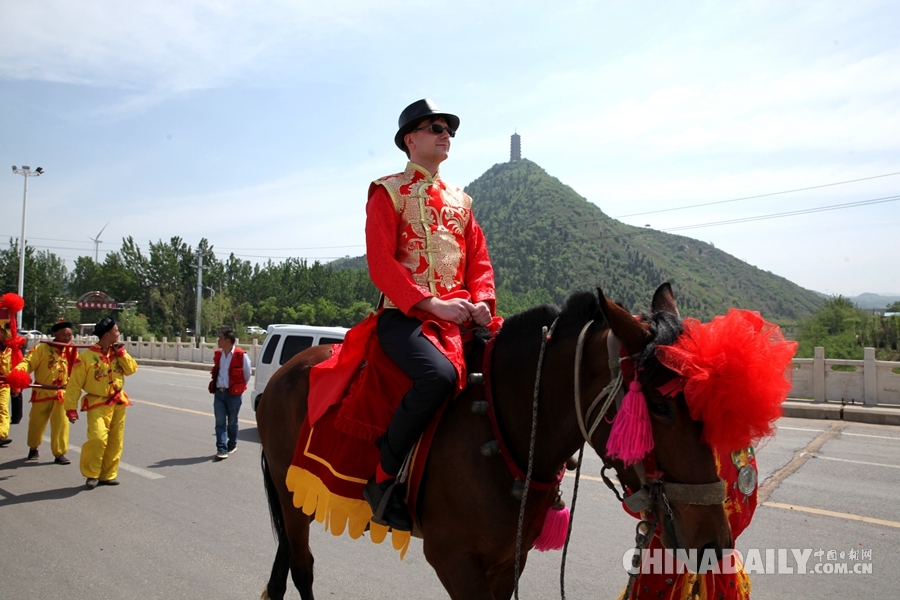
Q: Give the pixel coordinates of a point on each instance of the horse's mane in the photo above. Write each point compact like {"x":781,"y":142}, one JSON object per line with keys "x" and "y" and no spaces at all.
{"x":665,"y":329}
{"x":523,"y":329}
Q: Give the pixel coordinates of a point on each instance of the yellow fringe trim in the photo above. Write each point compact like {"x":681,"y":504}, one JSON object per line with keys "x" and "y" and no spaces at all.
{"x":336,"y":512}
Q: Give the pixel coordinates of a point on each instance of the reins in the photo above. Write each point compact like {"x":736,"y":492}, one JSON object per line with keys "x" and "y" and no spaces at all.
{"x":546,"y":334}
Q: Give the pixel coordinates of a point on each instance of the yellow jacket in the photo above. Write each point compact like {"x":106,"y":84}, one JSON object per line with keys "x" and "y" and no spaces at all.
{"x":50,"y":365}
{"x":5,"y":364}
{"x":101,"y":375}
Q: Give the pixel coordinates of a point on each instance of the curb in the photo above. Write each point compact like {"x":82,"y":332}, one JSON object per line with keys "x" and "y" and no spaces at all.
{"x":856,"y":413}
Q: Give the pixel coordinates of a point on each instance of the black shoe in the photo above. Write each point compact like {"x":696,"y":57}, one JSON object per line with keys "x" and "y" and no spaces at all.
{"x":33,"y":454}
{"x":91,"y":483}
{"x":4,"y":442}
{"x":108,"y":482}
{"x":62,"y":460}
{"x":387,"y":508}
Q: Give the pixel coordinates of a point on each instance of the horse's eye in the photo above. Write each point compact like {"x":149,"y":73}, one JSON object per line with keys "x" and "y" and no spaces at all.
{"x":660,"y":409}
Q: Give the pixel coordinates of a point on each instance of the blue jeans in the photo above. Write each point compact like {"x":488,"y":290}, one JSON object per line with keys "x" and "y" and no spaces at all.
{"x":226,"y":407}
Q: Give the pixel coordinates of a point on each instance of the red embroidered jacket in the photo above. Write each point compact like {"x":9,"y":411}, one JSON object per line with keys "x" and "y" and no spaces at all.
{"x":422,"y":240}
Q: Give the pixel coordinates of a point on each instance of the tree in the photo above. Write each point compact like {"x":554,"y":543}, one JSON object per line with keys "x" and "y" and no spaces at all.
{"x":45,"y":282}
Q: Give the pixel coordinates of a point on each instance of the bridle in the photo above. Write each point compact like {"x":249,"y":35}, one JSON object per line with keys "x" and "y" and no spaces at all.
{"x":654,"y":489}
{"x":651,"y":478}
{"x":653,"y":486}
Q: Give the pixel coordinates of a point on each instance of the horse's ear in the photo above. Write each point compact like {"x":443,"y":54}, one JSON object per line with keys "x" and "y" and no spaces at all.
{"x":664,"y":300}
{"x":633,"y":334}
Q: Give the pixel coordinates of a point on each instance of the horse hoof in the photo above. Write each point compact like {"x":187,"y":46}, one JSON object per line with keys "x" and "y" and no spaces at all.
{"x":491,"y":448}
{"x":480,"y":407}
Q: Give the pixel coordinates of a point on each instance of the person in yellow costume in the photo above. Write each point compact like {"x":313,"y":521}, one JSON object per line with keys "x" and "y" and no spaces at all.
{"x":5,"y":354}
{"x":11,"y":344}
{"x":50,"y":364}
{"x":100,"y":371}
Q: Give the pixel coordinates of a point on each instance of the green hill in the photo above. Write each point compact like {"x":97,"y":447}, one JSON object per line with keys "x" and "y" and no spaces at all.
{"x":543,"y":236}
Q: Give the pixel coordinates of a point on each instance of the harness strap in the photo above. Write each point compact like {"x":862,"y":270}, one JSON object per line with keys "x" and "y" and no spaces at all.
{"x":703,"y":494}
{"x":514,"y":469}
{"x":613,"y":390}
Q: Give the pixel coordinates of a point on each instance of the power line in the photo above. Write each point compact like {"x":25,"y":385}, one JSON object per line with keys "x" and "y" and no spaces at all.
{"x":787,"y":214}
{"x":814,"y":187}
{"x":304,"y":248}
{"x":792,"y":213}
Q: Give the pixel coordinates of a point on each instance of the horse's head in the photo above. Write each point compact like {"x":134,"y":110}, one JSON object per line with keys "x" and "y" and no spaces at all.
{"x":678,"y":473}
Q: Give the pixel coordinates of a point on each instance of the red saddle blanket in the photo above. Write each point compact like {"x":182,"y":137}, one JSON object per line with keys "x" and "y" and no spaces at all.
{"x":352,"y":399}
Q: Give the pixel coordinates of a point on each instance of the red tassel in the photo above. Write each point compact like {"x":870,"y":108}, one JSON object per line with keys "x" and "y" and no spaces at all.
{"x":553,"y":534}
{"x":631,"y":437}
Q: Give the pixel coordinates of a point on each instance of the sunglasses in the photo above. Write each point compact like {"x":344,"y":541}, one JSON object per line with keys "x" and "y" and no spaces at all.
{"x":437,"y":129}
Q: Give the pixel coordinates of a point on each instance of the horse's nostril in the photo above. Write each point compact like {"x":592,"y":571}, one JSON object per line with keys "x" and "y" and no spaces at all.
{"x":711,"y":547}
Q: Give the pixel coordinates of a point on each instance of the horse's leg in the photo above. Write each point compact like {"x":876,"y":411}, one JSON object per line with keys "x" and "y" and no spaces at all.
{"x":502,"y":579}
{"x":277,"y":584}
{"x":301,"y":558}
{"x":462,"y":575}
{"x":279,"y":417}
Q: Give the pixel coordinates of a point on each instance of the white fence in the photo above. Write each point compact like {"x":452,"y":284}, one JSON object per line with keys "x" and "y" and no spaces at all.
{"x":870,"y":382}
{"x":187,"y":351}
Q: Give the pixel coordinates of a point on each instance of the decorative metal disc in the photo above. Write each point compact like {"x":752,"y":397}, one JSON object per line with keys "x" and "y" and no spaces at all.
{"x":747,"y":479}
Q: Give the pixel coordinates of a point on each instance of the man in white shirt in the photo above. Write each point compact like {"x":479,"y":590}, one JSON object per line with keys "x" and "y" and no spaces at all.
{"x":230,"y":375}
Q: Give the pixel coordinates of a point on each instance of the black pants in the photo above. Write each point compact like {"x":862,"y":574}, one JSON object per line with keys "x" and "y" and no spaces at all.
{"x":433,"y":377}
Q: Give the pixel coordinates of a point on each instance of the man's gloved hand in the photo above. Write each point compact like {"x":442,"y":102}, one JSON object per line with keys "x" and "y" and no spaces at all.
{"x":72,"y":415}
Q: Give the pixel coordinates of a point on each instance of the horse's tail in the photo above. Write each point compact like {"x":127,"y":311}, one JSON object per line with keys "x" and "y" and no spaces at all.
{"x":274,"y":504}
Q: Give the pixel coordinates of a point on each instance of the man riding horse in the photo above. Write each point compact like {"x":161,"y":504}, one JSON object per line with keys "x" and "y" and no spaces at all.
{"x":428,"y":257}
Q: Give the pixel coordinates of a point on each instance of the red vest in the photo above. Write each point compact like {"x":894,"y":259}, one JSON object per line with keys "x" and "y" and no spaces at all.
{"x":433,"y":221}
{"x":237,"y":385}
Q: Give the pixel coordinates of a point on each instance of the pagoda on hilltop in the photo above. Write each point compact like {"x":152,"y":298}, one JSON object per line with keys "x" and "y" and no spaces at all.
{"x":515,"y":147}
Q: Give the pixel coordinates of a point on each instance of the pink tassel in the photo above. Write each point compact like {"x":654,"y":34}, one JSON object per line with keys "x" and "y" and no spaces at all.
{"x":556,"y":526}
{"x":631,"y":437}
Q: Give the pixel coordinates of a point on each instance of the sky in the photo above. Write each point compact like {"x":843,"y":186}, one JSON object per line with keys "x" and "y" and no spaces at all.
{"x":259,"y":125}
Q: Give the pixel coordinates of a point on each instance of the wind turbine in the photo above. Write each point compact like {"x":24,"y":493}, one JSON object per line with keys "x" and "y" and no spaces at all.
{"x":97,"y":241}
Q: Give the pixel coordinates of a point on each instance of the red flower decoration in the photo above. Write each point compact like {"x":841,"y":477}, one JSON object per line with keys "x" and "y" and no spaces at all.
{"x":736,"y":371}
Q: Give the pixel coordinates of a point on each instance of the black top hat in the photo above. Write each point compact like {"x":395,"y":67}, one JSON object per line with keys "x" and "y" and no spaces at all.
{"x":103,"y":325}
{"x":61,"y":325}
{"x":413,"y":114}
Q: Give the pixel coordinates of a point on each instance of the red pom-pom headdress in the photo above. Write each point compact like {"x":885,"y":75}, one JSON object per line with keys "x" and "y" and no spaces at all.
{"x":11,"y":304}
{"x":735,"y":371}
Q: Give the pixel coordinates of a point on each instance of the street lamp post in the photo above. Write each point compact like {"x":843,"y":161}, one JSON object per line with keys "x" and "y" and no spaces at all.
{"x":26,"y":172}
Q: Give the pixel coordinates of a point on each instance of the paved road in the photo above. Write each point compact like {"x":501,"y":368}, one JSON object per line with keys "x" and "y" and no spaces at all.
{"x":183,"y":526}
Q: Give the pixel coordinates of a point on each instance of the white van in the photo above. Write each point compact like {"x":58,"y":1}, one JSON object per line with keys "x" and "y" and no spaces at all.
{"x":282,"y":343}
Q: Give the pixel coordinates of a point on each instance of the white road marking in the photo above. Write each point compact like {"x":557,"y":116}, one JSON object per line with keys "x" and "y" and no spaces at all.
{"x":800,"y":429}
{"x":177,"y":371}
{"x":187,"y":410}
{"x":880,"y":437}
{"x":831,"y":513}
{"x":122,"y":465}
{"x":858,"y":462}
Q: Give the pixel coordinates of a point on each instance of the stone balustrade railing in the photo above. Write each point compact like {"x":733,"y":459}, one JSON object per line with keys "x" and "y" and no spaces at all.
{"x":190,"y":350}
{"x":869,"y":382}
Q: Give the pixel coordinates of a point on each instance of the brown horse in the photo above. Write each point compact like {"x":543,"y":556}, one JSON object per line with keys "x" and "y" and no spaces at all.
{"x":473,"y":550}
